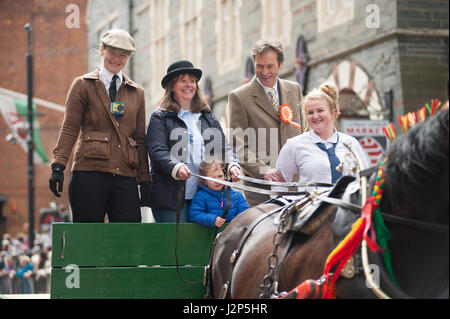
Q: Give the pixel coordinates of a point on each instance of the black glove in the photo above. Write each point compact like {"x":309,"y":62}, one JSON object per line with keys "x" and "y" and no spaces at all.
{"x":56,"y":180}
{"x":145,"y":190}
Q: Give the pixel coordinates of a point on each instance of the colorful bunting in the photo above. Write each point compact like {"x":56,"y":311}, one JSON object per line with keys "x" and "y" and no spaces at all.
{"x":410,"y":119}
{"x":436,"y":105}
{"x":403,"y":121}
{"x":422,"y":113}
{"x":389,"y":131}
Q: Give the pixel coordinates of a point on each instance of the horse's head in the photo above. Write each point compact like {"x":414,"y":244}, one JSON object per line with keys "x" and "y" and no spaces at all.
{"x":417,"y":188}
{"x":417,"y":176}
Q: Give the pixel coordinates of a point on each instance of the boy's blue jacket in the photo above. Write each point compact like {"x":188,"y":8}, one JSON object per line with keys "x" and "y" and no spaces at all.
{"x":208,"y":204}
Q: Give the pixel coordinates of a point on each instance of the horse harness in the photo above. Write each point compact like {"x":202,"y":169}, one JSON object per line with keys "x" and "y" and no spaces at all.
{"x":299,"y":216}
{"x":357,"y":267}
{"x":307,"y":215}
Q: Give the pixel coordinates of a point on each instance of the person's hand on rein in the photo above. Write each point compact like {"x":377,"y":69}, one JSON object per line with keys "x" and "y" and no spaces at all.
{"x":184,"y":172}
{"x":274,"y":175}
{"x":235,"y":172}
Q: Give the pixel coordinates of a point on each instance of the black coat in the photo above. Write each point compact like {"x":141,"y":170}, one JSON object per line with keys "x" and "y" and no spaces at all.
{"x":166,"y":152}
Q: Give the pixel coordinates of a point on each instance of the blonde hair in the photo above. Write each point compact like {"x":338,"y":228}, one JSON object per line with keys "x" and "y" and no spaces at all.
{"x":24,"y":259}
{"x":209,"y":165}
{"x":326,"y":92}
{"x":169,"y":103}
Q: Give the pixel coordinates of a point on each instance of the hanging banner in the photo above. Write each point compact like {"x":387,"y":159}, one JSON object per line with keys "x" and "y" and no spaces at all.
{"x":14,"y":111}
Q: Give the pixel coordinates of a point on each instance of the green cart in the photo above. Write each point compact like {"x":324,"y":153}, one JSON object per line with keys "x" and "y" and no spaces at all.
{"x":127,"y":260}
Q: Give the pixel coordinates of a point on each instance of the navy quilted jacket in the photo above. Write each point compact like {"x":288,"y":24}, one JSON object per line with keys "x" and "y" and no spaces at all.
{"x":208,"y":204}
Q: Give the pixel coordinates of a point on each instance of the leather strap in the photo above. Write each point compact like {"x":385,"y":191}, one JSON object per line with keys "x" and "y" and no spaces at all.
{"x":415,"y":223}
{"x":208,"y":279}
{"x":341,"y":203}
{"x":282,"y":184}
{"x":180,"y":204}
{"x":255,"y":189}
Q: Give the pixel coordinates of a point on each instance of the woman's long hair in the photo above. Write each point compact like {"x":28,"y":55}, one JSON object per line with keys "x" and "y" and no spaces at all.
{"x":170,"y":104}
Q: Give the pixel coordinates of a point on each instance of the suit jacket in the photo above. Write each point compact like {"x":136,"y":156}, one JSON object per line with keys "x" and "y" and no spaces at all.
{"x":104,"y":144}
{"x":257,"y":132}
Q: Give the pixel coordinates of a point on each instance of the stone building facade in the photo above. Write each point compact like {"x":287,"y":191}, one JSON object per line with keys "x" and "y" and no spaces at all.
{"x":367,"y":47}
{"x":386,"y":57}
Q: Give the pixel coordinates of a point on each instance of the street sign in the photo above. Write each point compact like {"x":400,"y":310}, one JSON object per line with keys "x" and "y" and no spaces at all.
{"x":369,"y":134}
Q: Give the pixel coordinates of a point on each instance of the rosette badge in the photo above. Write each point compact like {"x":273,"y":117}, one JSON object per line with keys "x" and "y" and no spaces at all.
{"x":287,"y":115}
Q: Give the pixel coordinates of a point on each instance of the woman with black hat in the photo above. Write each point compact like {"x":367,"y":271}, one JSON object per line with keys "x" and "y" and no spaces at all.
{"x":105,"y":110}
{"x":182,"y":131}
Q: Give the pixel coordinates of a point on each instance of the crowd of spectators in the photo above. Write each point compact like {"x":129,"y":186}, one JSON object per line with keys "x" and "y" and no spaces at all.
{"x":24,"y":270}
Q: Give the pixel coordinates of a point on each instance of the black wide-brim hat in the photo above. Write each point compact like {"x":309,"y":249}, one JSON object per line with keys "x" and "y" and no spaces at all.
{"x":180,"y":67}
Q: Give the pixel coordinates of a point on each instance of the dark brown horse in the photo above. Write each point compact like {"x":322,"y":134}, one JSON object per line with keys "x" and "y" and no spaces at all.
{"x":416,"y":203}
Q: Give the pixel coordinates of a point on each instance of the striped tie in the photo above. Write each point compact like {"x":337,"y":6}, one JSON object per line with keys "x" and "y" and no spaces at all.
{"x":273,"y":98}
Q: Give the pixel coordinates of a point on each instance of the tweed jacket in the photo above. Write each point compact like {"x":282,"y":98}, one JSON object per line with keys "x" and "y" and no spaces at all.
{"x":104,"y":143}
{"x":249,"y":108}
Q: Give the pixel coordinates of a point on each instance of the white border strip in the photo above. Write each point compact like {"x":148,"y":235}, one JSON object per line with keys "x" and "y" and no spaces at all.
{"x":36,"y":100}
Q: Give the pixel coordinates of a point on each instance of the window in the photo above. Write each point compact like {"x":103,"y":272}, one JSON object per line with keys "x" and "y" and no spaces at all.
{"x":108,"y":23}
{"x":159,"y":16}
{"x":228,"y":30}
{"x":277,"y":20}
{"x":331,"y":5}
{"x":190,"y":31}
{"x":331,"y":13}
{"x":111,"y":22}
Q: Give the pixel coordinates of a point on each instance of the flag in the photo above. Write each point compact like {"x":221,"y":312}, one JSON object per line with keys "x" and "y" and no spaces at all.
{"x":14,"y":111}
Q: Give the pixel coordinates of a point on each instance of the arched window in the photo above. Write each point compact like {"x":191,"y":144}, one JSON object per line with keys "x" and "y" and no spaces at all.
{"x":301,"y":64}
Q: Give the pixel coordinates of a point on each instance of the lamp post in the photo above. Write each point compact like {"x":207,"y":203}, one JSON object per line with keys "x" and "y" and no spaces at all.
{"x":30,"y":169}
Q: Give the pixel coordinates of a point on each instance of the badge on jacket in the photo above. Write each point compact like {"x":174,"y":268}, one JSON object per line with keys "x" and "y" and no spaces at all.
{"x":117,"y":108}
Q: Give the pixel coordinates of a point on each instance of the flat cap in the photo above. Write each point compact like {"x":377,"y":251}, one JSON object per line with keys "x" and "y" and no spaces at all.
{"x":119,"y":39}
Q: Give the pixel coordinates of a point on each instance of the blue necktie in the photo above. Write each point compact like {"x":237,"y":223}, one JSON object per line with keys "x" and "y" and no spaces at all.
{"x":113,"y":91}
{"x":334,"y":160}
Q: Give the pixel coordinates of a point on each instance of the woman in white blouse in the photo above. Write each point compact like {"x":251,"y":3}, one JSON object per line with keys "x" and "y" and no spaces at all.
{"x":319,"y":154}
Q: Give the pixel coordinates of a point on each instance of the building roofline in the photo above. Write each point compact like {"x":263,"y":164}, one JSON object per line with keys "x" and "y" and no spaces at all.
{"x":386,"y":36}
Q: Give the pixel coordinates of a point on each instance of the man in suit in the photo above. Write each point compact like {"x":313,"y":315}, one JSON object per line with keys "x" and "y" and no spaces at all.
{"x":253,"y":116}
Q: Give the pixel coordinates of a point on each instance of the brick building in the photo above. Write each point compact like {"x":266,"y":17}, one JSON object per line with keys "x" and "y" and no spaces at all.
{"x":59,"y":45}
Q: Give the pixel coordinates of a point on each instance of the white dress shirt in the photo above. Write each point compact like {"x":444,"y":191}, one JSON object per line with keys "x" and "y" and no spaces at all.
{"x":106,"y":78}
{"x":301,"y":155}
{"x":195,"y":149}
